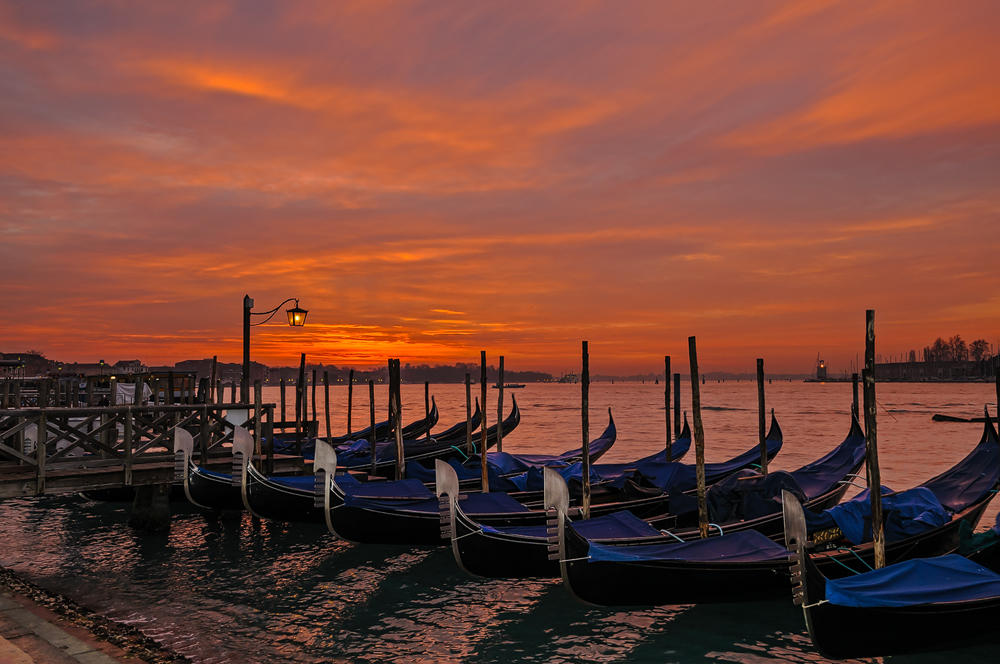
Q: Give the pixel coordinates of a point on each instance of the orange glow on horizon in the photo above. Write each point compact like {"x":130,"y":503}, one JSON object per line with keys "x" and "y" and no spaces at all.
{"x":431,"y":181}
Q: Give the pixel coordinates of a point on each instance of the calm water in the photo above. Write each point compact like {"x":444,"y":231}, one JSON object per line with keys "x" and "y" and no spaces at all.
{"x":236,"y":590}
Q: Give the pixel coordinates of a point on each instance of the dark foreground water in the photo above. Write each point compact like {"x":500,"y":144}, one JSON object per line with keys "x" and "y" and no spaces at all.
{"x":240,"y":590}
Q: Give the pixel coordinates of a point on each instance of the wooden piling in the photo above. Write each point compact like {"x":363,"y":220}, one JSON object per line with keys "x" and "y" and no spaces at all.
{"x":585,"y":416}
{"x":500,"y":408}
{"x":58,"y":393}
{"x":204,"y":437}
{"x":666,"y":403}
{"x":761,"y":410}
{"x":140,"y":383}
{"x":427,"y":403}
{"x":469,"y":447}
{"x":398,"y":402}
{"x":211,"y":385}
{"x":258,"y":447}
{"x":326,"y":405}
{"x":350,"y":399}
{"x":300,"y":398}
{"x":269,"y":439}
{"x":677,"y":406}
{"x":170,"y":388}
{"x":233,"y":385}
{"x":484,"y":462}
{"x":699,"y":438}
{"x":871,"y":440}
{"x":6,"y":392}
{"x":371,"y":408}
{"x":314,"y":411}
{"x":281,"y":388}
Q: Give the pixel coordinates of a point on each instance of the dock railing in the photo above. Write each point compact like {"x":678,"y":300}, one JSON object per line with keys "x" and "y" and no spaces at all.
{"x":63,"y":450}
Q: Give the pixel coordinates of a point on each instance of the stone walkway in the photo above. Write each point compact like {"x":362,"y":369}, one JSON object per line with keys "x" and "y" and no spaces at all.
{"x":32,"y":634}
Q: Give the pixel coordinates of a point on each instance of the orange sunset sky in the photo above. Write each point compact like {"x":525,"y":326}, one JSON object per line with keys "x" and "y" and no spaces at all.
{"x":432,"y":179}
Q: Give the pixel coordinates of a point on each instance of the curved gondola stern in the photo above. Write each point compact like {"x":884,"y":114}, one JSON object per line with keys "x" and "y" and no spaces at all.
{"x":795,"y":540}
{"x":324,"y":469}
{"x":446,"y":487}
{"x":989,"y":431}
{"x":183,"y":460}
{"x":242,"y":454}
{"x":774,"y":432}
{"x":556,"y":504}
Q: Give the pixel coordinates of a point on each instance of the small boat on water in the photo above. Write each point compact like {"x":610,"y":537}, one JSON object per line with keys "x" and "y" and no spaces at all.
{"x":407,"y":512}
{"x":746,"y":565}
{"x":918,"y":604}
{"x":509,"y":386}
{"x":523,"y":551}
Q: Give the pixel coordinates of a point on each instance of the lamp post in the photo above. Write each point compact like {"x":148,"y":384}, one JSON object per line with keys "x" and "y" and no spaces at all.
{"x":296,"y":318}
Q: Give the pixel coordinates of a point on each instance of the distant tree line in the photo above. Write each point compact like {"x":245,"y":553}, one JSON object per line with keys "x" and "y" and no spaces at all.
{"x":955,"y":350}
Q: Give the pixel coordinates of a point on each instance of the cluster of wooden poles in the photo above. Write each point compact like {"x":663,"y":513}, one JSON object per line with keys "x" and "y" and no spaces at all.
{"x":871,"y":439}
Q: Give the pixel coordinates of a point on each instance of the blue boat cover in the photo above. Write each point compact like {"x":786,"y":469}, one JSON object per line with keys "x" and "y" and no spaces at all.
{"x":906,"y":513}
{"x":491,"y":503}
{"x":620,"y":525}
{"x":406,"y":490}
{"x":950,"y":578}
{"x":743,"y":546}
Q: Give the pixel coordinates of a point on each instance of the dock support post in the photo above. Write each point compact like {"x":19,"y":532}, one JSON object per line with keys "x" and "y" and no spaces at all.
{"x":469,"y":447}
{"x":326,"y":404}
{"x":666,"y":403}
{"x":677,"y":406}
{"x":315,"y":417}
{"x":350,"y":402}
{"x":258,"y":429}
{"x":699,"y":438}
{"x":857,"y":410}
{"x":210,"y":399}
{"x":484,"y":460}
{"x":761,"y":409}
{"x":151,"y":508}
{"x":871,"y":439}
{"x":500,"y":408}
{"x":397,"y":401}
{"x":585,"y":416}
{"x":371,"y":435}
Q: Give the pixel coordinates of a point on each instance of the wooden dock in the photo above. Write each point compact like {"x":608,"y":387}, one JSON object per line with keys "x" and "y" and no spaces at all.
{"x":49,"y":451}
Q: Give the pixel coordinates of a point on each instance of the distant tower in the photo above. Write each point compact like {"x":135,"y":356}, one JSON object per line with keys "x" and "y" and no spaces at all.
{"x":820,"y":369}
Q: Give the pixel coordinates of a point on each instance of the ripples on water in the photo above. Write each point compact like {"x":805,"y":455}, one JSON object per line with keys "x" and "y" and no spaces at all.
{"x":223,"y":590}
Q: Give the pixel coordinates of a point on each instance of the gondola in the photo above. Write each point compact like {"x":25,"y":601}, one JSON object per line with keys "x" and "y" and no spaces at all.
{"x":917,"y":605}
{"x":383,"y":431}
{"x":221,"y":492}
{"x":747,"y":565}
{"x":293,"y":499}
{"x":407,"y":512}
{"x":522,"y":551}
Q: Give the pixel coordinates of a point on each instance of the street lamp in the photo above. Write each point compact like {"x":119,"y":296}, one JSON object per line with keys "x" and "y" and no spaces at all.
{"x":296,"y":318}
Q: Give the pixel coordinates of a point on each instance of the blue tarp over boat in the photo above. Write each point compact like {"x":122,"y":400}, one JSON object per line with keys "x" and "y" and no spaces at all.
{"x":949,"y":578}
{"x":744,"y":546}
{"x":620,"y":525}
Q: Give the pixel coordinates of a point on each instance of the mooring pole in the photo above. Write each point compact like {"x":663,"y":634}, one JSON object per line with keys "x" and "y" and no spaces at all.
{"x":761,"y":409}
{"x":677,"y":407}
{"x":484,"y":461}
{"x":300,"y":398}
{"x":350,"y":399}
{"x":857,"y":409}
{"x":469,"y":447}
{"x":314,"y":415}
{"x":427,"y":403}
{"x":281,"y":387}
{"x":699,"y":438}
{"x":666,"y":403}
{"x":585,"y":416}
{"x":398,"y":398}
{"x":500,"y":408}
{"x":871,"y":439}
{"x":258,"y":428}
{"x":211,"y":385}
{"x":326,"y":405}
{"x":371,"y":408}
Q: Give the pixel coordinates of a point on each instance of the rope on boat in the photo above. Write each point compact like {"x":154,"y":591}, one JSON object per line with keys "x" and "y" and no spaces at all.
{"x":460,"y":452}
{"x":855,"y":554}
{"x":667,"y":532}
{"x":717,"y":526}
{"x":575,"y":560}
{"x":809,"y":606}
{"x":475,"y":532}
